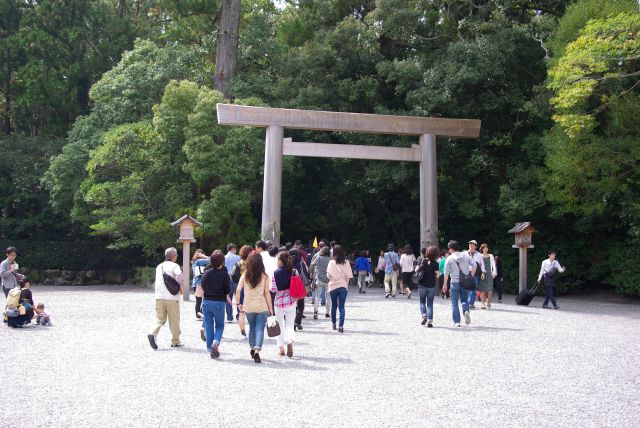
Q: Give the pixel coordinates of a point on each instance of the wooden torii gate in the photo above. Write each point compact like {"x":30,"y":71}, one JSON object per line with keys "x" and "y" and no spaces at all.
{"x":276,"y":119}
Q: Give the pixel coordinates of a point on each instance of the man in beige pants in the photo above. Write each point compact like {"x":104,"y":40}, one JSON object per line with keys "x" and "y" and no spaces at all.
{"x":167,"y":304}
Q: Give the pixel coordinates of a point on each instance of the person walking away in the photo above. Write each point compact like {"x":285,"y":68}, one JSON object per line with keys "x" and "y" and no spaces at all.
{"x":301,"y":267}
{"x":321,"y":281}
{"x":363,"y":267}
{"x":216,"y":285}
{"x":198,"y":263}
{"x":285,"y":306}
{"x":497,"y":281}
{"x":167,"y":304}
{"x":257,"y":302}
{"x":9,"y":271}
{"x":391,"y":267}
{"x":314,"y":294}
{"x":340,"y":274}
{"x":230,"y":260}
{"x":441,"y":263}
{"x":485,"y":286}
{"x":407,"y":260}
{"x":428,"y":267}
{"x":548,"y":273}
{"x":476,"y":257}
{"x":458,"y":262}
{"x":380,"y":269}
{"x":245,"y":251}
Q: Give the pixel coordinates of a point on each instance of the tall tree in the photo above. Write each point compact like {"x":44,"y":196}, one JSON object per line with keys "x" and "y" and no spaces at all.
{"x":227,"y":46}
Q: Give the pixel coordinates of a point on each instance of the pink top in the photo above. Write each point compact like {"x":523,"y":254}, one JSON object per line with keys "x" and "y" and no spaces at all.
{"x":339,"y":275}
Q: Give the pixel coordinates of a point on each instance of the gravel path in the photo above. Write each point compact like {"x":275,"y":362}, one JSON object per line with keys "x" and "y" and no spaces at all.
{"x":513,"y":366}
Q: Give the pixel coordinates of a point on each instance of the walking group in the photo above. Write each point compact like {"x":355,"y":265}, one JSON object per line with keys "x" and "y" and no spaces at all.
{"x":261,"y":279}
{"x":269,"y":286}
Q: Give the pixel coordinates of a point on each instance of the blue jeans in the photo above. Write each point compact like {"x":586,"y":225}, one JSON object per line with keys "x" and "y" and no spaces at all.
{"x":471,"y":296}
{"x":426,"y":296}
{"x":323,"y":296}
{"x":338,"y":297}
{"x":232,"y":292}
{"x":257,"y":321}
{"x":213,"y":320}
{"x":550,"y":295}
{"x":459,"y":295}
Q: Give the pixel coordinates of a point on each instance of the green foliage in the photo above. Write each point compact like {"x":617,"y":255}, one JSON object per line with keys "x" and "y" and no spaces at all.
{"x":135,"y":187}
{"x":580,"y":13}
{"x":125,"y":94}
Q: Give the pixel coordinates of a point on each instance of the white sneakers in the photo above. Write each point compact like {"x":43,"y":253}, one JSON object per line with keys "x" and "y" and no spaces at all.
{"x":467,"y":318}
{"x":456,"y":324}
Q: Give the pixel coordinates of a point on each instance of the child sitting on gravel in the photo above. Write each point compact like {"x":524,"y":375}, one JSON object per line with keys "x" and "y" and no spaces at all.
{"x":42,"y":317}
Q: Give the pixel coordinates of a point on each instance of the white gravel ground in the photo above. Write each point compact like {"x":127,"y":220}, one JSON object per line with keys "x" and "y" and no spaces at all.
{"x":513,"y":366}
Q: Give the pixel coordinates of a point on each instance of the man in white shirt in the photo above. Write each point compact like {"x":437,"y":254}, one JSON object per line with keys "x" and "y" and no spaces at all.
{"x":476,"y":258}
{"x":167,"y":304}
{"x":548,"y":272}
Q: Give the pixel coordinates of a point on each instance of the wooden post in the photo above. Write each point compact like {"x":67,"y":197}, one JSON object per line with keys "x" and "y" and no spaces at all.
{"x":522,"y":282}
{"x":522,"y":232}
{"x":186,"y":269}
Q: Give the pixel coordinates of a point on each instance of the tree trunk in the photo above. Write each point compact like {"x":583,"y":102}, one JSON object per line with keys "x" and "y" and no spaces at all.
{"x":227,"y":46}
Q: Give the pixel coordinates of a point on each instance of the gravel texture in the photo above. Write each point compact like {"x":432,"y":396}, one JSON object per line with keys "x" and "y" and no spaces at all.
{"x":513,"y":366}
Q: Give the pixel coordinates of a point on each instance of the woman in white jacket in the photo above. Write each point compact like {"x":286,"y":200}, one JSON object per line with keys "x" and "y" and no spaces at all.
{"x":485,"y":286}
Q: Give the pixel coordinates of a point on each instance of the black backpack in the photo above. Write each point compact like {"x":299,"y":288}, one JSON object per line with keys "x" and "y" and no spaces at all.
{"x":236,"y":273}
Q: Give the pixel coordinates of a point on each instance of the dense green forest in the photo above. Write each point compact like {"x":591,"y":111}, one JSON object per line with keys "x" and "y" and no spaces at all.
{"x":108,"y":125}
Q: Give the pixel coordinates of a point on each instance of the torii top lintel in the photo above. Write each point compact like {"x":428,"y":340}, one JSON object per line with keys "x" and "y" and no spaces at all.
{"x":232,"y":114}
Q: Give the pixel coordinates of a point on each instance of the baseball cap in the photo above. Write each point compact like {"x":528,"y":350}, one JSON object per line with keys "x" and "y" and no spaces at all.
{"x":473,"y":241}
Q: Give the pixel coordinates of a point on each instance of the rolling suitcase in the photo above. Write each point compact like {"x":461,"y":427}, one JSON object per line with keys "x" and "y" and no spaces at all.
{"x":526,"y":296}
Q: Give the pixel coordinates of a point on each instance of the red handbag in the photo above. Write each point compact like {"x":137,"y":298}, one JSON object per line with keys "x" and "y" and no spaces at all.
{"x":296,"y":287}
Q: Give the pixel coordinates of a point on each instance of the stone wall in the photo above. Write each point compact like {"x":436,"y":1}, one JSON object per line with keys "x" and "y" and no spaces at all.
{"x":83,"y":277}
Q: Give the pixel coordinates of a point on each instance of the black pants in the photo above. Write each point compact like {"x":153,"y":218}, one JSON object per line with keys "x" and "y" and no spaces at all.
{"x":497,"y":285}
{"x":198,"y":305}
{"x":441,"y":282}
{"x":406,"y":280}
{"x":300,"y":311}
{"x":380,"y":276}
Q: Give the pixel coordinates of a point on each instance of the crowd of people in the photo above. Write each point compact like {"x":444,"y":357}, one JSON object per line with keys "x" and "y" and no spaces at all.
{"x":259,"y":279}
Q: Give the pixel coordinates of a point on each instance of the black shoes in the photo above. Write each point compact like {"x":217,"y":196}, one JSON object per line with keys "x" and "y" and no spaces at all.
{"x":340,"y":330}
{"x":297,"y":327}
{"x":424,"y":321}
{"x":252,"y":352}
{"x":315,"y":315}
{"x":334,"y":326}
{"x":327,"y":316}
{"x":290,"y":350}
{"x":386,"y":296}
{"x":215,"y":353}
{"x":256,"y":358}
{"x":152,"y":341}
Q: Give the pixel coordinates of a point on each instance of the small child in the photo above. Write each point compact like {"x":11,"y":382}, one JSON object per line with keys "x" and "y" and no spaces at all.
{"x":42,"y":317}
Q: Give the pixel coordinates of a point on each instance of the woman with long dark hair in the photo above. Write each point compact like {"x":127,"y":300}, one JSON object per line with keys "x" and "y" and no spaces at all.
{"x":340,"y":273}
{"x":257,"y":302}
{"x":427,"y":284}
{"x":285,"y":306}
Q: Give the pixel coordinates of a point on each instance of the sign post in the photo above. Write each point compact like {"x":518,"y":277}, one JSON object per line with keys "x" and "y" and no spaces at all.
{"x":186,"y":225}
{"x":523,"y":232}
